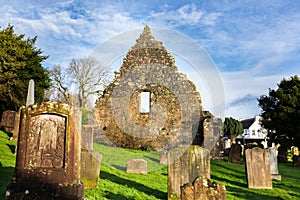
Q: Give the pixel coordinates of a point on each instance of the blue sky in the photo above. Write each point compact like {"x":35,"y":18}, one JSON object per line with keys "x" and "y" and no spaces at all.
{"x":254,"y":44}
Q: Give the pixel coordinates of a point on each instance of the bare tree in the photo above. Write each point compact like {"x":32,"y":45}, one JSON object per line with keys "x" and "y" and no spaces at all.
{"x":60,"y":82}
{"x":89,"y":76}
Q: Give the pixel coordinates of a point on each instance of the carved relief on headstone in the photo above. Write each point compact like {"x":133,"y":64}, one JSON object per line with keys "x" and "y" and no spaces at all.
{"x":185,"y":164}
{"x":235,"y":153}
{"x":48,"y":153}
{"x":258,"y":168}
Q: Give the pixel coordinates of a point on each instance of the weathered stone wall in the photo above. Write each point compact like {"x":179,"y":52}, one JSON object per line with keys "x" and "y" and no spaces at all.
{"x":175,"y":103}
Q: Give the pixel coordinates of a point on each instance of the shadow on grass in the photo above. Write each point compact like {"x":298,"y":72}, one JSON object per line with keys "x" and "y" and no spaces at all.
{"x":110,"y":195}
{"x":153,"y":159}
{"x":119,"y":167}
{"x":133,"y":184}
{"x":238,"y":184}
{"x":6,"y":175}
{"x":246,"y":193}
{"x":12,"y":148}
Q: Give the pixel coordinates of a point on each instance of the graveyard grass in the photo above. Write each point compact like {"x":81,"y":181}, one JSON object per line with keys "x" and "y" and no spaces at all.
{"x":115,"y":183}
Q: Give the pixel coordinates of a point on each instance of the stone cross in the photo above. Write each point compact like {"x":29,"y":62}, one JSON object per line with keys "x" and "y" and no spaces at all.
{"x":30,"y":93}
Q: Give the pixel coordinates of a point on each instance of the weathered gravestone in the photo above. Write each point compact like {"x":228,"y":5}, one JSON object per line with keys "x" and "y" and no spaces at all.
{"x":136,"y":166}
{"x":30,"y":93}
{"x":87,"y":137}
{"x":90,"y":162}
{"x":296,"y":161}
{"x":235,"y":153}
{"x":185,"y":164}
{"x":163,"y":157}
{"x":8,"y":120}
{"x":203,"y":189}
{"x":48,"y":156}
{"x":258,"y":168}
{"x":274,"y":163}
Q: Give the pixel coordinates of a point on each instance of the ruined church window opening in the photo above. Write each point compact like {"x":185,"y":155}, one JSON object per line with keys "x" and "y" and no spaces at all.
{"x":145,"y":102}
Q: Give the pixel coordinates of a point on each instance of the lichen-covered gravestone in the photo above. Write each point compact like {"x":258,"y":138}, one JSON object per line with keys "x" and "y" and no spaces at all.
{"x":90,"y":162}
{"x":258,"y":168}
{"x":48,"y":156}
{"x":185,"y":164}
{"x":203,"y":189}
{"x":235,"y":153}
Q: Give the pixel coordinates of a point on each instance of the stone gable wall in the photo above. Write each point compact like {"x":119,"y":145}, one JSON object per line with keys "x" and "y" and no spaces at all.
{"x":174,"y":101}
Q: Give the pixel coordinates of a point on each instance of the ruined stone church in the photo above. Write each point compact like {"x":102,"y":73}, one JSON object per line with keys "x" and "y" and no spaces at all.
{"x":150,"y":104}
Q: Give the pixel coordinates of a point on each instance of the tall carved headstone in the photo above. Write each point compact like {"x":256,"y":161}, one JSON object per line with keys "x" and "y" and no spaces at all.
{"x":185,"y":164}
{"x":258,"y":168}
{"x":30,"y":94}
{"x":48,"y":156}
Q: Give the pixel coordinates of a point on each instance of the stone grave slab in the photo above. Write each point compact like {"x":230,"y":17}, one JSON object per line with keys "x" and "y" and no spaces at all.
{"x":258,"y":169}
{"x":136,"y":166}
{"x":8,"y":120}
{"x":235,"y":153}
{"x":274,"y":163}
{"x":90,"y":164}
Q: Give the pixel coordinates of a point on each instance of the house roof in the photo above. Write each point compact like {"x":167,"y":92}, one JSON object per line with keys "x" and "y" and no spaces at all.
{"x":247,"y":122}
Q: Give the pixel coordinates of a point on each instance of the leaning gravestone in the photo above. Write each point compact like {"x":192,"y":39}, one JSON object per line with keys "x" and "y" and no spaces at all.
{"x":185,"y":164}
{"x":258,"y":168}
{"x":274,"y":163}
{"x":48,"y":156}
{"x":136,"y":166}
{"x":203,"y":189}
{"x":235,"y":153}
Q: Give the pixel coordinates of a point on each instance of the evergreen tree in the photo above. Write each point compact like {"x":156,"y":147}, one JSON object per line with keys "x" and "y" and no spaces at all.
{"x":20,"y":61}
{"x":281,"y":110}
{"x":232,"y":128}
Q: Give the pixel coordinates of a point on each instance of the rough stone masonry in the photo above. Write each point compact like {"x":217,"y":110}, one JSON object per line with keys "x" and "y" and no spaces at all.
{"x":175,"y":104}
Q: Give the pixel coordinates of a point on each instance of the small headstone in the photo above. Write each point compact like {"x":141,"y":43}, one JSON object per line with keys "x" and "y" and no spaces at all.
{"x":136,"y":166}
{"x":185,"y":164}
{"x":235,"y":153}
{"x":90,"y":164}
{"x":274,"y":163}
{"x":258,"y":168}
{"x":295,"y":151}
{"x":30,"y":93}
{"x":203,"y":189}
{"x":163,"y":157}
{"x":8,"y":120}
{"x":296,"y":161}
{"x":87,"y":137}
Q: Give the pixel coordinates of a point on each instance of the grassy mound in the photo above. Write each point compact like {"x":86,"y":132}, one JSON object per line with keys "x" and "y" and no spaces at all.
{"x":115,"y":183}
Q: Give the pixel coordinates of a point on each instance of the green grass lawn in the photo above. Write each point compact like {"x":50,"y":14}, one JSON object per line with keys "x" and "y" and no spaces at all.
{"x":115,"y":183}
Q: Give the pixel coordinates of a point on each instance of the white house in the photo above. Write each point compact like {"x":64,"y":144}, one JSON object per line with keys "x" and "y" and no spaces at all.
{"x":253,"y":129}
